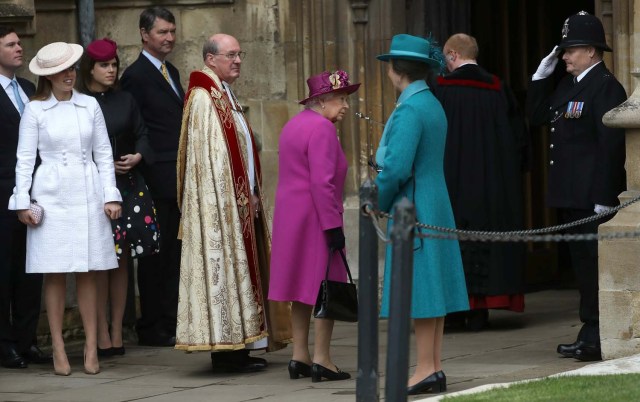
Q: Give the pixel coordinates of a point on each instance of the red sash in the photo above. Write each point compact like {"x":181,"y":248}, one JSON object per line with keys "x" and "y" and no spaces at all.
{"x":222,"y":105}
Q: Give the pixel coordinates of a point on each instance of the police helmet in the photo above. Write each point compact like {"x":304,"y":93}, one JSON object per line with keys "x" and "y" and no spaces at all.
{"x":583,"y":29}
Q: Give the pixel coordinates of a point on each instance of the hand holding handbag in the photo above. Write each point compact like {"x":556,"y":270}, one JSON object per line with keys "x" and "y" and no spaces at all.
{"x":337,"y":300}
{"x":36,"y":211}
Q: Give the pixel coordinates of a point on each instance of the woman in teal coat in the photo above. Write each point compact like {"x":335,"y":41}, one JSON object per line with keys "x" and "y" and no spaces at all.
{"x":411,"y":154}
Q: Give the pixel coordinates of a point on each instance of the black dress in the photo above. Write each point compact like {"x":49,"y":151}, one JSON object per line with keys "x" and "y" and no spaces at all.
{"x":137,"y":228}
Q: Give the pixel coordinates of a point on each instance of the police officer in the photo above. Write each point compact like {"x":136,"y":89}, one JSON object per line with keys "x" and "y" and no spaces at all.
{"x":586,"y":158}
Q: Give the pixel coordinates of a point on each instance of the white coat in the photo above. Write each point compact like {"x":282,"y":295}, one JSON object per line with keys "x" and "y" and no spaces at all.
{"x":73,"y":182}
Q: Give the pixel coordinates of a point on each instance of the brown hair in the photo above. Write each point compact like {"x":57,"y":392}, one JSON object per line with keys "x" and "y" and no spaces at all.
{"x":413,"y":70}
{"x":43,"y":90}
{"x":84,"y":78}
{"x":6,"y":30}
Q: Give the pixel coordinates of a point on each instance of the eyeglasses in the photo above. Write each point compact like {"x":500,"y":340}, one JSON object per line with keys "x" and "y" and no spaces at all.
{"x":232,"y":56}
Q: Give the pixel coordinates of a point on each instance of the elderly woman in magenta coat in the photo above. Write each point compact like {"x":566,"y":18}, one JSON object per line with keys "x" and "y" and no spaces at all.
{"x":411,"y":155}
{"x":308,"y":218}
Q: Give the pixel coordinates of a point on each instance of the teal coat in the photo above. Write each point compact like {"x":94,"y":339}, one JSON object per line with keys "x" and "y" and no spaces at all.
{"x":411,"y":155}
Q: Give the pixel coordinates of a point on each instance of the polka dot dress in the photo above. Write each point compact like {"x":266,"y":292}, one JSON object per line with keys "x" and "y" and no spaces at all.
{"x":137,"y":229}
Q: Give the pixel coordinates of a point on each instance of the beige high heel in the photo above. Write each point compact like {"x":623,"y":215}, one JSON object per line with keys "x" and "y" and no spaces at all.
{"x":90,"y":370}
{"x":65,"y":370}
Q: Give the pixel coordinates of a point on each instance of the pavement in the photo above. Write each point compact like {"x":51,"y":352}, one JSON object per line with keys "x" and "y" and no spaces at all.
{"x":516,"y":347}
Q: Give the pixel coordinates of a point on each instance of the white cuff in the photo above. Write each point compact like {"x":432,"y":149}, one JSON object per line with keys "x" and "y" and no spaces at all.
{"x":19,"y":201}
{"x":537,"y":77}
{"x":112,"y":194}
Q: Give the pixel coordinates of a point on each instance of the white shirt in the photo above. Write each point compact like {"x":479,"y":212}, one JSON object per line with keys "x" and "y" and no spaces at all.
{"x":239,"y":115}
{"x":158,"y":64}
{"x":585,"y":72}
{"x":5,"y":83}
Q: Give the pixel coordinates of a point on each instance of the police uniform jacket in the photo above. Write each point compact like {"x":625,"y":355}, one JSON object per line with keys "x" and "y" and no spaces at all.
{"x":585,"y":157}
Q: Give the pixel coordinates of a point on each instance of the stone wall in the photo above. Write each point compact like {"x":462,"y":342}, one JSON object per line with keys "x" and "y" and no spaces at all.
{"x":286,"y":41}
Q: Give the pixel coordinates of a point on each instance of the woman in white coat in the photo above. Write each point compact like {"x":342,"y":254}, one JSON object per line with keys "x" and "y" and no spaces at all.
{"x":75,"y":184}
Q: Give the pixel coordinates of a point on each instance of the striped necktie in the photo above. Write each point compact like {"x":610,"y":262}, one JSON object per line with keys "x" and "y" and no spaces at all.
{"x":165,"y":73}
{"x":16,"y":94}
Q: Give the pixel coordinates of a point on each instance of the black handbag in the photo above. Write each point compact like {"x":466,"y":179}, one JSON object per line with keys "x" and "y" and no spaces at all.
{"x":337,"y":300}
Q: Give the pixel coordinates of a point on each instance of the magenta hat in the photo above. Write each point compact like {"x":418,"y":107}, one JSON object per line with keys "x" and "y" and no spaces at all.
{"x":102,"y":49}
{"x":327,"y":82}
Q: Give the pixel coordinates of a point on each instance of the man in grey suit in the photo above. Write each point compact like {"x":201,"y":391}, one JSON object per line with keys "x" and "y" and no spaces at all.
{"x":155,"y":84}
{"x":19,"y":291}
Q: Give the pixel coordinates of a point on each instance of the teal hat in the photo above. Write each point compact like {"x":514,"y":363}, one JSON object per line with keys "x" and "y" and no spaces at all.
{"x":409,"y":47}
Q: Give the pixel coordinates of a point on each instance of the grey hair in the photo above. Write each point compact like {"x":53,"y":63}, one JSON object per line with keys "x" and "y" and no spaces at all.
{"x":210,"y":46}
{"x":315,"y":101}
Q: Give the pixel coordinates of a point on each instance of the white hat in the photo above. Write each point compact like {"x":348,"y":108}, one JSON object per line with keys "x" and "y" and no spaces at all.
{"x":55,"y":57}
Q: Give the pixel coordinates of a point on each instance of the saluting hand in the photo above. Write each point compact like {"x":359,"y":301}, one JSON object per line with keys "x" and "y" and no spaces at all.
{"x":547,"y":65}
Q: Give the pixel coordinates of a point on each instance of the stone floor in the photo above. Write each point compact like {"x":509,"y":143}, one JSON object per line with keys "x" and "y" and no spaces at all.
{"x":515,"y":347}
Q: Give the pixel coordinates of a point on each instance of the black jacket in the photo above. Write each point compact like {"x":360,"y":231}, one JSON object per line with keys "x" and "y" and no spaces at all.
{"x":161,"y":110}
{"x":127,"y":132}
{"x":586,"y":158}
{"x":9,"y":125}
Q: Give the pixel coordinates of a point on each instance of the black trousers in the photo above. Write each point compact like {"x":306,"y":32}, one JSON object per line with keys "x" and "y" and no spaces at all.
{"x":159,"y":275}
{"x":19,"y":292}
{"x":584,"y":261}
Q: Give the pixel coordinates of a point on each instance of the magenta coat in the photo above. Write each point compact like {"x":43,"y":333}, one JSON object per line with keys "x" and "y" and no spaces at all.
{"x":308,"y":202}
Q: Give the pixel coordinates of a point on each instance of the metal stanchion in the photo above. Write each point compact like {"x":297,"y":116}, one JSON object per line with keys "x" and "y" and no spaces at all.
{"x":367,"y":381}
{"x":400,"y":301}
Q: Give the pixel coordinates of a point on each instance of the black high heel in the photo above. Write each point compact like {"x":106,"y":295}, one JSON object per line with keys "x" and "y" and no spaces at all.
{"x":443,"y":379}
{"x":106,"y":352}
{"x":117,"y":351}
{"x":429,"y":384}
{"x":318,"y":372}
{"x":298,"y":369}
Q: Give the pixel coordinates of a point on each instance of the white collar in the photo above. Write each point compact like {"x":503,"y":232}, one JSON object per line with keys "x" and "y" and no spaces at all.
{"x":585,"y":72}
{"x":154,"y":60}
{"x":6,"y":81}
{"x":76,"y":98}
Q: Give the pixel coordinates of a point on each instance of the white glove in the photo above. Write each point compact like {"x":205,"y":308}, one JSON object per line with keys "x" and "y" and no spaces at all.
{"x":547,"y":65}
{"x":598,"y":209}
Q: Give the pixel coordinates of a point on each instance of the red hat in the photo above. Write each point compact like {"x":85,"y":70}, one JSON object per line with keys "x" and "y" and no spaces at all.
{"x":327,"y":82}
{"x":102,"y":49}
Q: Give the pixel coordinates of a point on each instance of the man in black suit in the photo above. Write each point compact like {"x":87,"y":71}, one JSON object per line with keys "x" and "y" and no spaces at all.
{"x":155,"y":84}
{"x":586,"y":158}
{"x":19,"y":291}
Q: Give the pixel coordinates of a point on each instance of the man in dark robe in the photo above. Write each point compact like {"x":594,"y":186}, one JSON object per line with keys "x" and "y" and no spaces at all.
{"x":484,"y":161}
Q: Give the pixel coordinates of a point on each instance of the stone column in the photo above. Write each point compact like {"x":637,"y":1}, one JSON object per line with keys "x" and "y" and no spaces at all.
{"x":619,"y":260}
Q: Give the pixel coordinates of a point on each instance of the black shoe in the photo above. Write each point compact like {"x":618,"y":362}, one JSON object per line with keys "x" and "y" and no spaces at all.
{"x":106,"y":352}
{"x":10,"y":358}
{"x":429,"y":384}
{"x":588,"y":353}
{"x":298,"y":369}
{"x":443,"y":379}
{"x":156,"y":340}
{"x":120,"y":350}
{"x":36,"y":356}
{"x":477,"y":320}
{"x":569,"y":350}
{"x":319,"y":372}
{"x":237,"y":361}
